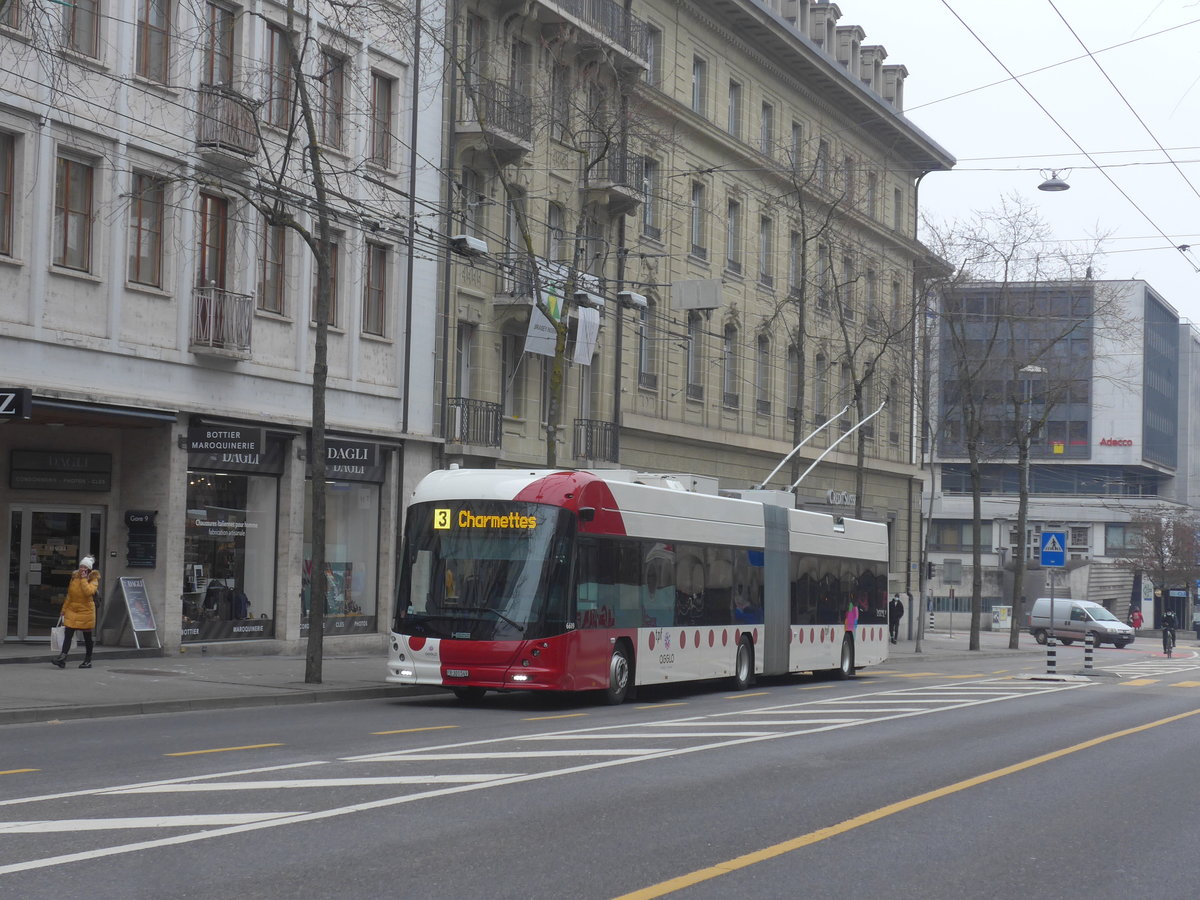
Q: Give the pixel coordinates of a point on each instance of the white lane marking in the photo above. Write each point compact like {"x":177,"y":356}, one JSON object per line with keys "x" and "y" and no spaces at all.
{"x":47,"y":826}
{"x":387,"y":802}
{"x":212,"y":786}
{"x":405,"y":756}
{"x":643,"y":735}
{"x":851,"y":708}
{"x":91,"y":792}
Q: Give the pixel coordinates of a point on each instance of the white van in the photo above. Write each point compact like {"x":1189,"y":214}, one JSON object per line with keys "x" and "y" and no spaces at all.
{"x":1073,"y":619}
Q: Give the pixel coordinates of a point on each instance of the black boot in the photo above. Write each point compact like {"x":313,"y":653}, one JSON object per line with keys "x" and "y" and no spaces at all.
{"x":86,"y":664}
{"x":60,"y":660}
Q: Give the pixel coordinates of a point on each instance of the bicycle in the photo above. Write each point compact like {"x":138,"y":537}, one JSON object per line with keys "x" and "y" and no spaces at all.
{"x":1168,"y":639}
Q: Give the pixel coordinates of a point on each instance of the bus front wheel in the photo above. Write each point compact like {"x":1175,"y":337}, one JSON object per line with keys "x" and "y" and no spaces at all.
{"x":619,"y":675}
{"x":469,"y":694}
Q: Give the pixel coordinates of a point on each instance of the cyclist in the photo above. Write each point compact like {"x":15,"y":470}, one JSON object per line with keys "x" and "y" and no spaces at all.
{"x":1168,"y":632}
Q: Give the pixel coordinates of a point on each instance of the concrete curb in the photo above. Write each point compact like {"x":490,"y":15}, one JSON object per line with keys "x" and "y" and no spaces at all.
{"x":150,"y":707}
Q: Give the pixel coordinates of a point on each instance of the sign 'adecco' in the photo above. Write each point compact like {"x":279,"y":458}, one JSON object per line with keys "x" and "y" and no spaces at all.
{"x":1116,"y":442}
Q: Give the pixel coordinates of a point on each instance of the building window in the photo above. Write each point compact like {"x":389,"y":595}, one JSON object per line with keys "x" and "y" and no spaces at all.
{"x":214,"y":225}
{"x":271,"y":268}
{"x":699,"y":85}
{"x":898,"y":209}
{"x":766,"y":251}
{"x":153,"y":38}
{"x":560,"y":102}
{"x":81,"y":25}
{"x":382,"y":92}
{"x":762,"y":375}
{"x":735,"y":109}
{"x":824,"y":277}
{"x":651,"y":205}
{"x":218,"y":46}
{"x":893,"y":413}
{"x":959,"y":535}
{"x":696,"y":217}
{"x":10,"y":14}
{"x":695,"y":357}
{"x":1079,"y":537}
{"x":729,"y":367}
{"x":146,"y":204}
{"x":793,"y":382}
{"x":471,"y":201}
{"x":822,"y":167}
{"x":279,"y":77}
{"x":872,"y":197}
{"x":556,"y":244}
{"x":820,"y":389}
{"x":766,"y":131}
{"x":848,"y":179}
{"x":73,"y":215}
{"x":512,"y":351}
{"x":375,"y":290}
{"x":352,"y":560}
{"x":733,"y":237}
{"x":335,"y":266}
{"x":897,"y":303}
{"x":654,"y":46}
{"x":648,"y":347}
{"x":333,"y":99}
{"x":797,"y":145}
{"x":8,"y":164}
{"x":795,"y":263}
{"x":846,"y":288}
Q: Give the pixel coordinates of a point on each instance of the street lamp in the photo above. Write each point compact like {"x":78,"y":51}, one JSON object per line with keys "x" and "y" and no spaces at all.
{"x":1053,"y":182}
{"x":1023,"y":510}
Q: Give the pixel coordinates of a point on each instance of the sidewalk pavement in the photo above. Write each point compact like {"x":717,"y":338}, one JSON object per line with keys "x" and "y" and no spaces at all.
{"x":126,"y":682}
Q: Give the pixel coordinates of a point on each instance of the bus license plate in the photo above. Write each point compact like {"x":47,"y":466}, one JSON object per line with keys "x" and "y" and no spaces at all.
{"x":457,"y":673}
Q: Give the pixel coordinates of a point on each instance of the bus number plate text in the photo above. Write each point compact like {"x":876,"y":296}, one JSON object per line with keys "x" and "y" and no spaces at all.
{"x":457,"y":673}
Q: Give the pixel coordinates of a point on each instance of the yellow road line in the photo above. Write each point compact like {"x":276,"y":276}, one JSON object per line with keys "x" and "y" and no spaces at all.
{"x":411,"y":730}
{"x":1186,"y":684}
{"x":749,"y":859}
{"x":919,"y":675}
{"x":563,"y":716}
{"x":755,"y":694}
{"x":660,"y":705}
{"x":222,"y":749}
{"x":817,"y":687}
{"x":1140,"y":682}
{"x":18,"y":771}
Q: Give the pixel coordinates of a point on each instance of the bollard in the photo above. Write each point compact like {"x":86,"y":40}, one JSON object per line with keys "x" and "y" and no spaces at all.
{"x":1051,"y":656}
{"x":1088,"y":647}
{"x":931,"y":620}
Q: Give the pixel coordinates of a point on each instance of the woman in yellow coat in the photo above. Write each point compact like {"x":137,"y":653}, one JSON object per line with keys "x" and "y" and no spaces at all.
{"x":79,"y":611}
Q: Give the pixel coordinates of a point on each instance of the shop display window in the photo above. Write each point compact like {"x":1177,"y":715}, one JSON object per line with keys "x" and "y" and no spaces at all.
{"x":229,"y":557}
{"x":352,"y":557}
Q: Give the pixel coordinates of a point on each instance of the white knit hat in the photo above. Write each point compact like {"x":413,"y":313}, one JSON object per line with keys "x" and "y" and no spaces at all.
{"x":88,"y":562}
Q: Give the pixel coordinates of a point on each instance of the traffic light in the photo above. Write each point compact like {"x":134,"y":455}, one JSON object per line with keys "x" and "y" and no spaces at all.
{"x":930,"y":571}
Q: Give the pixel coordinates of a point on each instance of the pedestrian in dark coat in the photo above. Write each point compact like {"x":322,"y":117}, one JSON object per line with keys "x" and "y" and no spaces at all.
{"x":895,"y":614}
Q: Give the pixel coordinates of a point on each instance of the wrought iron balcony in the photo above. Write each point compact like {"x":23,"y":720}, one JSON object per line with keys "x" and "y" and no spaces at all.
{"x":617,"y":180}
{"x":225,"y":123}
{"x":610,"y":20}
{"x":502,"y":116}
{"x":221,"y":322}
{"x":475,"y":422}
{"x":596,"y":440}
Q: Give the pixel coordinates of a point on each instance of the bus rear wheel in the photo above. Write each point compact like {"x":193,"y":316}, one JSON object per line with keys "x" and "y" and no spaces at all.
{"x":743,"y":665}
{"x":845,"y":667}
{"x":469,"y":694}
{"x":619,"y":675}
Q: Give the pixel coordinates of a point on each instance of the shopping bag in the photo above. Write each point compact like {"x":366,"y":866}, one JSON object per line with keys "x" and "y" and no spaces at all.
{"x":57,"y":634}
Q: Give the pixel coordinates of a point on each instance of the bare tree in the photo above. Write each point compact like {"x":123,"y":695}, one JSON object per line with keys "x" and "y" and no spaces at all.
{"x":1016,"y":327}
{"x":1165,"y":546}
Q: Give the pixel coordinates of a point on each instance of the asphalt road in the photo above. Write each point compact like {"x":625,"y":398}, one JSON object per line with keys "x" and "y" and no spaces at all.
{"x":962,"y":782}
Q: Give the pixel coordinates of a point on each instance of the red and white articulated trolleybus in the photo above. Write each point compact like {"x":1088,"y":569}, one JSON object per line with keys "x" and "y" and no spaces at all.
{"x":582,"y":580}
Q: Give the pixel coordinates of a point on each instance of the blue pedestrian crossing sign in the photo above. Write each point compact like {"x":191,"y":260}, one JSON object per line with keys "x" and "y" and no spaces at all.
{"x":1054,"y":549}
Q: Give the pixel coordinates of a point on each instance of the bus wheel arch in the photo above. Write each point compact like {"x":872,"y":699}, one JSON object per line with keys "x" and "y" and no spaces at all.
{"x":620,"y":673}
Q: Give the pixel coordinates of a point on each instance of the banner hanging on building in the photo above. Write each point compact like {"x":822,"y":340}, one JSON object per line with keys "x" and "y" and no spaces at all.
{"x":587,"y":331}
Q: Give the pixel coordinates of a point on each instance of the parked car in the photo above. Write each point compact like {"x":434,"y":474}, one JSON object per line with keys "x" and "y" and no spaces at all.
{"x":1074,"y":619}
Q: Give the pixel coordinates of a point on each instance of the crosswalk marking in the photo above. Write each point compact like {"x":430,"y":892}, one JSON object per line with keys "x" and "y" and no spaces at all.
{"x":46,"y":826}
{"x":212,"y":786}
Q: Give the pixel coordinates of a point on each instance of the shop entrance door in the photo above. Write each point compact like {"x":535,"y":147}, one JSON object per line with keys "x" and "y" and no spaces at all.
{"x":45,"y":546}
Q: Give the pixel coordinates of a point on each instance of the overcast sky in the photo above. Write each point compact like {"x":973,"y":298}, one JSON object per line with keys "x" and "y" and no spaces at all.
{"x":1003,"y":139}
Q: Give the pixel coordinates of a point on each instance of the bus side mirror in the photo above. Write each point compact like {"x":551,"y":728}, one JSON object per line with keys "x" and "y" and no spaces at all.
{"x":587,"y":513}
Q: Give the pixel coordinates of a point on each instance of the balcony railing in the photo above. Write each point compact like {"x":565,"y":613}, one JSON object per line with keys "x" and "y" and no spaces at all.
{"x":613,"y":21}
{"x":224,"y":121}
{"x":221,"y":322}
{"x":500,"y":112}
{"x":618,"y":179}
{"x":474,"y":422}
{"x":595,"y":439}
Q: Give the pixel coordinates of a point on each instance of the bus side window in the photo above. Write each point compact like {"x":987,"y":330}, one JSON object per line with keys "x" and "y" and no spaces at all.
{"x":421,"y":582}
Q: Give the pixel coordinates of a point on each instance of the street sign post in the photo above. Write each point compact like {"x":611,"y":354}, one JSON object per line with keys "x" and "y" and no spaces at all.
{"x":1054,"y":556}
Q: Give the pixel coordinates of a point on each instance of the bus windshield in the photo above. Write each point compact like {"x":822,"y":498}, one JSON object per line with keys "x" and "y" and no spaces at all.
{"x":484,"y":570}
